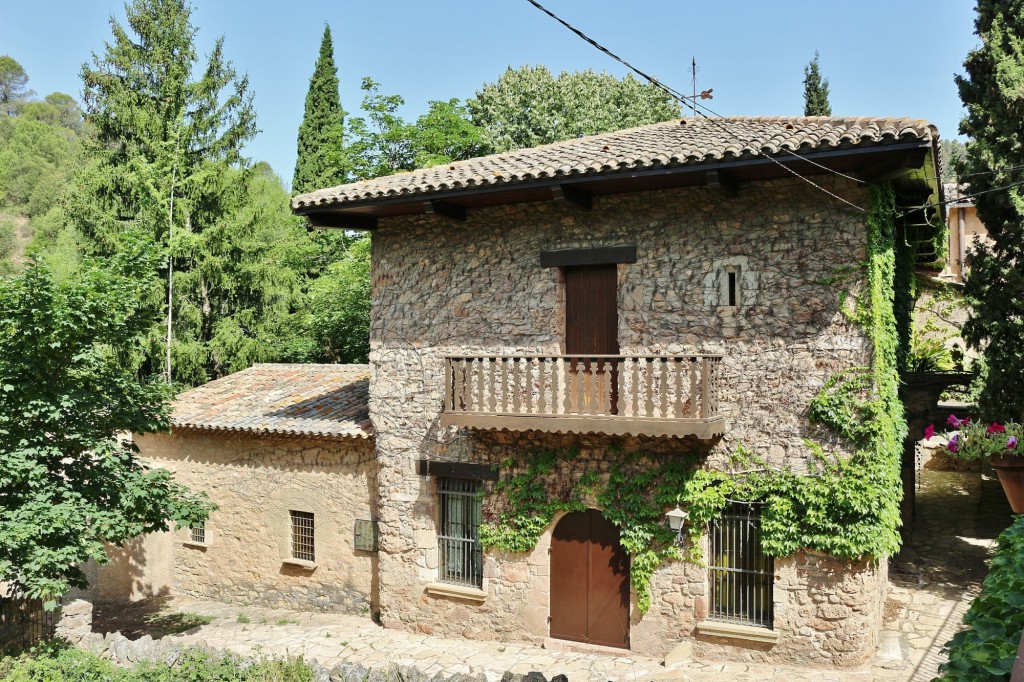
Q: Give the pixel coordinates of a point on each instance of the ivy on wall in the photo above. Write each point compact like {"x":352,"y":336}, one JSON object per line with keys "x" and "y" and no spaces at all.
{"x":844,"y":506}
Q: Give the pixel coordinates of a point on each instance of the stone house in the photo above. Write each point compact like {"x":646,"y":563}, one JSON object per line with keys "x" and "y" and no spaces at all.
{"x":650,"y":296}
{"x":287,"y":454}
{"x":665,"y":290}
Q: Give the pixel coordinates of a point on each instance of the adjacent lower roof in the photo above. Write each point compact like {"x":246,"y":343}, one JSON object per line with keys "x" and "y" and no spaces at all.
{"x":320,"y":401}
{"x":678,"y":143}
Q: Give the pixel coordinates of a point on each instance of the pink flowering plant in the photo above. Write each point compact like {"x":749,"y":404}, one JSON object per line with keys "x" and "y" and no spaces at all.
{"x":973,"y":440}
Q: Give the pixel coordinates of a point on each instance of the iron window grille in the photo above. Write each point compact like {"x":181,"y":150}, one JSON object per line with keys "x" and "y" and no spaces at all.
{"x":197,"y":533}
{"x":302,"y":536}
{"x":742,"y":575}
{"x":458,"y":540}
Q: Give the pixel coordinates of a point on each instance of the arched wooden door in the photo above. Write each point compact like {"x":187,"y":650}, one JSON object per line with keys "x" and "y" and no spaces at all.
{"x":589,"y":581}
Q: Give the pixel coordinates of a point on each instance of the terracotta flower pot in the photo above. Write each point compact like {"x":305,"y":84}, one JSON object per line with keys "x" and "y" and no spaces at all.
{"x":1011,"y":476}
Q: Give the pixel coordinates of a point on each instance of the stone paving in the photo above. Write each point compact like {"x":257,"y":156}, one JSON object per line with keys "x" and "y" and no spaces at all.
{"x":932,"y":582}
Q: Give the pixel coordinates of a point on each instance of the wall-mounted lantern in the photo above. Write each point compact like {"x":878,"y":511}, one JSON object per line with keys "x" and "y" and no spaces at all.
{"x":676,"y":519}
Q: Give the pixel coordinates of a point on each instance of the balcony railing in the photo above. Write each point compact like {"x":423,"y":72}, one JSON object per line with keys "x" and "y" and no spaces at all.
{"x":673,"y":395}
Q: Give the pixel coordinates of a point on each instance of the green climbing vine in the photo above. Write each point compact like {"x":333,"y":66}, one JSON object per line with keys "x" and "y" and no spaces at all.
{"x":844,"y":506}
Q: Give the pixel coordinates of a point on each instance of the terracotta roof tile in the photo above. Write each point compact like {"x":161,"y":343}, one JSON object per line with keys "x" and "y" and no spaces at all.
{"x":324,"y":401}
{"x":661,"y":145}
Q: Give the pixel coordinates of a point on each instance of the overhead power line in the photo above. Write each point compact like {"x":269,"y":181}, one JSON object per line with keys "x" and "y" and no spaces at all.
{"x":693,"y":101}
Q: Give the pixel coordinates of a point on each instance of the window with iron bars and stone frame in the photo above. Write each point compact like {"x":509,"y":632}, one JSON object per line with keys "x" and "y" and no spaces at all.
{"x":460,"y":555}
{"x":741,"y":574}
{"x":302,"y":535}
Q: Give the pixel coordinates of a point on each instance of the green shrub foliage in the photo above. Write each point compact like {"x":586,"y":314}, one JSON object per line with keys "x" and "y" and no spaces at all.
{"x":995,"y":621}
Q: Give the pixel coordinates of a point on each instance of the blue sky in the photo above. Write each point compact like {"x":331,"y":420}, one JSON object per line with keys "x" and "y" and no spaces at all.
{"x":883,"y":58}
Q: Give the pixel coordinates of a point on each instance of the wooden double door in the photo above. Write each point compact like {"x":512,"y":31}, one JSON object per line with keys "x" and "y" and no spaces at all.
{"x":589,"y":581}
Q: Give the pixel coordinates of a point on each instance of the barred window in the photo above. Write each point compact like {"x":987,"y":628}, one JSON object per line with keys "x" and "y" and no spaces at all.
{"x":302,"y":536}
{"x":458,"y":541}
{"x":197,"y":532}
{"x":741,"y":574}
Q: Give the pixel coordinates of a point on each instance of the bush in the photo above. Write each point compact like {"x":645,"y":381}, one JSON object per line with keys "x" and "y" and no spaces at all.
{"x":59,"y":663}
{"x":995,"y":621}
{"x":55,"y":662}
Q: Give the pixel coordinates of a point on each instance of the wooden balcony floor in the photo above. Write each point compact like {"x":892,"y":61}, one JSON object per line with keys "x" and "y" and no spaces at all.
{"x":610,"y":425}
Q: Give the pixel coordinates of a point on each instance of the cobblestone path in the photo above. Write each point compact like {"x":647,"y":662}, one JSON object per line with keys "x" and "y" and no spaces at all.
{"x":932,"y":582}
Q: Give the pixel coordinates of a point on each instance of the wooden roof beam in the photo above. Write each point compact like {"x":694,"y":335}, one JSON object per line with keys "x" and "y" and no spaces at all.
{"x":339,"y":220}
{"x":445,"y":209}
{"x":721,"y":182}
{"x":572,"y":195}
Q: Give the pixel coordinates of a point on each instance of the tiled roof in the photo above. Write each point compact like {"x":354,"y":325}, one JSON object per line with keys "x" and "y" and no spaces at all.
{"x":323,"y":401}
{"x":680,"y":142}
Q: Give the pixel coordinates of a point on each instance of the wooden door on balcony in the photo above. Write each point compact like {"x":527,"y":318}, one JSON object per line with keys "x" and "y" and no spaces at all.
{"x":589,"y":581}
{"x":592,"y":328}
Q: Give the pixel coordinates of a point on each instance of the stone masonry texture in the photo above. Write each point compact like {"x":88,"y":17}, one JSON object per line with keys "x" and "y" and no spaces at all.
{"x":256,"y":482}
{"x":442,"y":287}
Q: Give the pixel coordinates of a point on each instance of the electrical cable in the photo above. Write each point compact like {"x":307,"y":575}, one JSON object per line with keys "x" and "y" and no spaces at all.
{"x":675,"y":94}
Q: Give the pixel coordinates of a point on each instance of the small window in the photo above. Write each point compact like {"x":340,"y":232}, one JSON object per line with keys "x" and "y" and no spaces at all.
{"x":197,"y":533}
{"x":731,"y":286}
{"x":302,"y":536}
{"x":742,"y":576}
{"x":459,"y":549}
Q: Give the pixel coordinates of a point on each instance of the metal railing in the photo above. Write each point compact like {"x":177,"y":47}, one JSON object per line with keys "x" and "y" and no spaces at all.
{"x":24,"y":623}
{"x":683,"y":387}
{"x":742,"y":576}
{"x":458,"y":543}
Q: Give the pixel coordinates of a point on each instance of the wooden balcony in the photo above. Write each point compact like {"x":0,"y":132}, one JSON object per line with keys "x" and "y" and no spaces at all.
{"x":673,"y":395}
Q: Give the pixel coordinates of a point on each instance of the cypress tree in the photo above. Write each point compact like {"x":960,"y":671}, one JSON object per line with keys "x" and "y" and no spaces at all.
{"x":319,"y":163}
{"x":993,"y":93}
{"x":815,"y":90}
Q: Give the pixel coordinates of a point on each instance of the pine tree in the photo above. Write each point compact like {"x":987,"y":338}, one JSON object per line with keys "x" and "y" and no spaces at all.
{"x":167,"y":159}
{"x":319,"y":162}
{"x":993,"y":93}
{"x":815,"y":90}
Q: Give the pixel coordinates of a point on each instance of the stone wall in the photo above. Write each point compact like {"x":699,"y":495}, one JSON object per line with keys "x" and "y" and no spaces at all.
{"x":255,"y":482}
{"x":443,"y":287}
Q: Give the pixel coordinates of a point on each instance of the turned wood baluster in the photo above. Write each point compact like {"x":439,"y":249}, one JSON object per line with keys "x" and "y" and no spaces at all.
{"x":528,"y":383}
{"x":677,"y":404}
{"x":561,"y":381}
{"x":649,"y":387}
{"x":448,"y":378}
{"x":663,"y":363}
{"x":516,"y":383}
{"x":606,"y":388}
{"x":504,"y":384}
{"x":492,"y":398}
{"x":542,"y":368}
{"x":620,"y":382}
{"x":635,"y":387}
{"x":705,"y":388}
{"x":692,"y":362}
{"x":459,"y":400}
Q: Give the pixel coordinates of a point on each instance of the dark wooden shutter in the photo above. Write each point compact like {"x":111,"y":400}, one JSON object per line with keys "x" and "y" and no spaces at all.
{"x":591,"y":310}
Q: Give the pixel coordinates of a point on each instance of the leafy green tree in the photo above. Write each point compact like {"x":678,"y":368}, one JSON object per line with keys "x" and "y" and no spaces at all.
{"x":13,"y":83}
{"x":70,"y":482}
{"x":529,"y":106}
{"x":815,"y":90}
{"x":993,"y":93}
{"x":167,"y":156}
{"x":381,"y":142}
{"x":339,"y":306}
{"x":319,"y":162}
{"x":951,"y":153}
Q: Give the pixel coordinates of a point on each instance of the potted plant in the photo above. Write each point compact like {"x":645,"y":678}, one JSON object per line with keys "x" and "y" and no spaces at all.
{"x":999,"y":442}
